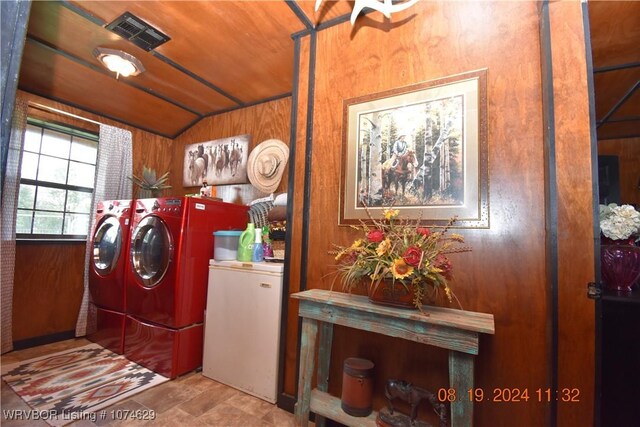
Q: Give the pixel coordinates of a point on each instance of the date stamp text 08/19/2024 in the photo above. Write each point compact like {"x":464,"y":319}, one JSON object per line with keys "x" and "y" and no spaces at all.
{"x":510,"y":395}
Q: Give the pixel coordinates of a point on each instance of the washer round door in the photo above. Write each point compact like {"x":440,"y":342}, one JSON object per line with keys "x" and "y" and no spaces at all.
{"x":151,"y":251}
{"x":107,"y":244}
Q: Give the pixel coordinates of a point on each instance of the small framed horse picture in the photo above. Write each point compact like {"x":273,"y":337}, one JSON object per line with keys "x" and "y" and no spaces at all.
{"x":421,"y":149}
{"x":219,"y":162}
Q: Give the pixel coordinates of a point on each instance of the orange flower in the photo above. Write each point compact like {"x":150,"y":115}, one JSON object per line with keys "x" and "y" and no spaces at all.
{"x":401,"y":269}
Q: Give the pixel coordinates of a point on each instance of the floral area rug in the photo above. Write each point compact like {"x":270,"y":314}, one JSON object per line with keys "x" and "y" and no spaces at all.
{"x":72,"y":385}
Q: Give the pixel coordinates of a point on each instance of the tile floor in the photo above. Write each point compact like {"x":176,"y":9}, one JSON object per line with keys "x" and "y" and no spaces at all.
{"x":190,"y":400}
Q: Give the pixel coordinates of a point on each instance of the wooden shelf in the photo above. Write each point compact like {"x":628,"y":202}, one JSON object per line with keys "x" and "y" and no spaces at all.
{"x":330,"y":407}
{"x":455,"y":330}
{"x":624,"y":297}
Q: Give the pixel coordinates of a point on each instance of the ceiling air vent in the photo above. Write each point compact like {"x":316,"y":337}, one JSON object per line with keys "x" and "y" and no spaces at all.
{"x":137,"y":31}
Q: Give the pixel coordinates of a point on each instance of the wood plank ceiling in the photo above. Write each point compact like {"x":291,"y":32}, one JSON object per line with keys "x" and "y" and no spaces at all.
{"x":221,"y":55}
{"x":225,"y":55}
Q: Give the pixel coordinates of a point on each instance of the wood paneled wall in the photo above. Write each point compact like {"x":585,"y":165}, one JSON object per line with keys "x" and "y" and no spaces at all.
{"x":628,"y":152}
{"x":506,"y":274}
{"x":48,"y":281}
{"x":48,"y":285}
{"x":264,"y":121}
{"x":575,"y":235}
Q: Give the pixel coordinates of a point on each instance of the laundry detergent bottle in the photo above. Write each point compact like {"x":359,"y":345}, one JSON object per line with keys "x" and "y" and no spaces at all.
{"x":245,"y":243}
{"x":267,"y":249}
{"x":258,"y":252}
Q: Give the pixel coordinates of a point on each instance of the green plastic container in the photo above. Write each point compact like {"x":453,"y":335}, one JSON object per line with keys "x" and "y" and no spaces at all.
{"x":245,"y":243}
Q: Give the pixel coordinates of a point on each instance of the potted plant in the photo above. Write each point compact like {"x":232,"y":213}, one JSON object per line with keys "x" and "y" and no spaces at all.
{"x":401,"y":262}
{"x":150,"y":185}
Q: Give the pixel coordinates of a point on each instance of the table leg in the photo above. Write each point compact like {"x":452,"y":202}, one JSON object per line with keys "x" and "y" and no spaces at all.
{"x":461,"y":380}
{"x":307,"y":355}
{"x":324,"y":360}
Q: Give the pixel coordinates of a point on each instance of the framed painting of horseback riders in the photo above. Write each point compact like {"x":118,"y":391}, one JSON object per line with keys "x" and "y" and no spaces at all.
{"x":421,"y":149}
{"x":219,"y":162}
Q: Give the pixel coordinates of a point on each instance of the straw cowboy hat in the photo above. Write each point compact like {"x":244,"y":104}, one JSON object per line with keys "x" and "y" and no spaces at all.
{"x":266,"y":164}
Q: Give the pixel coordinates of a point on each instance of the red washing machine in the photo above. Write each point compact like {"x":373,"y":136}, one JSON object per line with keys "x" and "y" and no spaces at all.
{"x":109,"y":240}
{"x":166,"y":281}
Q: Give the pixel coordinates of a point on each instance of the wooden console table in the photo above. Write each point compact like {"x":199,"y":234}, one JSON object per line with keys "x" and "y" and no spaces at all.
{"x":455,"y":330}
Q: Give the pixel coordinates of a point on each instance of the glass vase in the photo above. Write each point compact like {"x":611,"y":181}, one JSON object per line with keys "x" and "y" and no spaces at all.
{"x":620,"y":265}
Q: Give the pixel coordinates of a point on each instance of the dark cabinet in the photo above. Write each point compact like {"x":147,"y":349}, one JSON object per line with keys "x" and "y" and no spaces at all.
{"x":620,"y":359}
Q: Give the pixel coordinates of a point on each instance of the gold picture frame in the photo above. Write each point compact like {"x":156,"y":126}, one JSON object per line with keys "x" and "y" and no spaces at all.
{"x":421,"y":149}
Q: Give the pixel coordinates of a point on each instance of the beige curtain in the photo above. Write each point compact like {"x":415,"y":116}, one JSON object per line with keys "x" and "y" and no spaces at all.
{"x":114,"y":165}
{"x":9,"y":205}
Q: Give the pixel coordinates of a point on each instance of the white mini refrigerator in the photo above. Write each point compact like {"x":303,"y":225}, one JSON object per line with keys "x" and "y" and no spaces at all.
{"x":242,"y":326}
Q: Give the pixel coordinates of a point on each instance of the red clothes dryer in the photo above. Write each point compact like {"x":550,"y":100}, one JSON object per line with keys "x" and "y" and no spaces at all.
{"x":171,"y":243}
{"x":109,"y":240}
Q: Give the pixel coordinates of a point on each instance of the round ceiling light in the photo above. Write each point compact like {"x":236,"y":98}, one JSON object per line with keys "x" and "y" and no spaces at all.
{"x":121,"y":63}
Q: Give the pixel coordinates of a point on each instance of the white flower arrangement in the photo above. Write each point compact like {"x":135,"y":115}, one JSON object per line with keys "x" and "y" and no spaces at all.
{"x":619,"y":222}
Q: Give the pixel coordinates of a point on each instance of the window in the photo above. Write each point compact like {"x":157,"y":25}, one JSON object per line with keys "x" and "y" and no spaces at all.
{"x":56,"y":186}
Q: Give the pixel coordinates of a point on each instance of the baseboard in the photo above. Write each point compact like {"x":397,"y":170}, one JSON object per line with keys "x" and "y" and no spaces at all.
{"x":286,"y":402}
{"x":45,"y":339}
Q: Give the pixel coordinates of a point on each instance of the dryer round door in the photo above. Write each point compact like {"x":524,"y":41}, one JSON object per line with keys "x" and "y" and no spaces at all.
{"x":107,"y":244}
{"x":151,"y":250}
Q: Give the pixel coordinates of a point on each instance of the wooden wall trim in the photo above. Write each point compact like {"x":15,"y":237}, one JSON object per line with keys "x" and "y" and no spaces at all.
{"x":42,"y":340}
{"x":620,"y":102}
{"x":611,"y":67}
{"x":595,"y":208}
{"x":306,"y":205}
{"x":308,"y":157}
{"x":284,"y":398}
{"x":295,"y":229}
{"x":551,"y":208}
{"x":575,"y":211}
{"x":300,"y":14}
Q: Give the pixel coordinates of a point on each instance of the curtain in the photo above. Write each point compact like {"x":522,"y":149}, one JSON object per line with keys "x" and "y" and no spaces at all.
{"x":9,"y":205}
{"x":114,"y":166}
